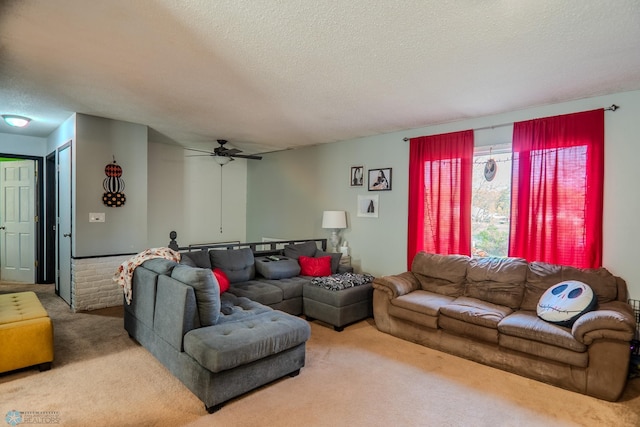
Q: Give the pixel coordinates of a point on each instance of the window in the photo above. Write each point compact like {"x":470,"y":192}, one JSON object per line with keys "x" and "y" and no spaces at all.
{"x":491,"y":201}
{"x":554,"y":213}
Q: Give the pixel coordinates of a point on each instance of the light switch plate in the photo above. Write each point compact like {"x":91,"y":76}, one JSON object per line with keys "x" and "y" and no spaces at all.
{"x":96,"y":217}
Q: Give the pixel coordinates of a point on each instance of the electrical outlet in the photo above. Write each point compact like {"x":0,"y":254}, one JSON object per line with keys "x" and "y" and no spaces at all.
{"x":96,"y":217}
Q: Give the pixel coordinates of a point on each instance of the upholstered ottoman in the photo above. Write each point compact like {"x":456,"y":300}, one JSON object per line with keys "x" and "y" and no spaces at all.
{"x":337,"y":306}
{"x":26,"y":332}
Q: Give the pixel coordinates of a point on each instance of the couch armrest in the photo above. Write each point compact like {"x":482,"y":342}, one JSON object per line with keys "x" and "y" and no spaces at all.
{"x":397,"y":285}
{"x":612,"y":320}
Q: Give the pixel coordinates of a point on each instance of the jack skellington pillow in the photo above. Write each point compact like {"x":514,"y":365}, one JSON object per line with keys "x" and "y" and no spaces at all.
{"x":563,"y":303}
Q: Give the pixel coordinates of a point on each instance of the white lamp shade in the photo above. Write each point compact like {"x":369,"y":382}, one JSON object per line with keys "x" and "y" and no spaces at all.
{"x":334,"y":219}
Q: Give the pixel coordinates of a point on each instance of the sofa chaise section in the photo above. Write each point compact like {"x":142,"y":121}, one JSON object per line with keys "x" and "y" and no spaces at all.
{"x":219,"y":346}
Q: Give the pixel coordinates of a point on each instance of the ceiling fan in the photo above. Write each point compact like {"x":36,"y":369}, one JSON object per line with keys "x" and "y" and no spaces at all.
{"x":224,"y":154}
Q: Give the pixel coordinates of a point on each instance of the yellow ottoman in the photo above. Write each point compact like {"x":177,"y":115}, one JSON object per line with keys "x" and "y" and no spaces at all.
{"x":26,"y":332}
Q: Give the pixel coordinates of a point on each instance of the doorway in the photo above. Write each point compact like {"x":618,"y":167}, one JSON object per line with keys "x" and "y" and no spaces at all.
{"x":21,"y":228}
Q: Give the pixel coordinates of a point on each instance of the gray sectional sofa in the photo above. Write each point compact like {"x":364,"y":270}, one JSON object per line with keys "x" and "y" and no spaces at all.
{"x":485,"y":309}
{"x":279,"y":285}
{"x":222,"y":345}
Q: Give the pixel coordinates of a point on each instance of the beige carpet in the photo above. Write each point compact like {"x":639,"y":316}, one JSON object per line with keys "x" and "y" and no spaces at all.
{"x":360,"y":377}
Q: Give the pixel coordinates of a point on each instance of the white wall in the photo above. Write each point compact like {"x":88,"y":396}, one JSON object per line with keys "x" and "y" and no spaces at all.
{"x":23,"y":145}
{"x":185,"y":195}
{"x":288,"y":191}
{"x":66,"y":132}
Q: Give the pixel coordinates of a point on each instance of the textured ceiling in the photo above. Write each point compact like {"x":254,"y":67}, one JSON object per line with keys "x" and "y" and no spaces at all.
{"x":270,"y":75}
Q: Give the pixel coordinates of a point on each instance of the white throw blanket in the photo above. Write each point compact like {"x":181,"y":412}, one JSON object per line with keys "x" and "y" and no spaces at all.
{"x":124,"y":275}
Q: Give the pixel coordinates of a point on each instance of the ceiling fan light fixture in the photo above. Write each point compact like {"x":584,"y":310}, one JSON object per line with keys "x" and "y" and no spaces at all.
{"x":221,"y":160}
{"x":16,"y":121}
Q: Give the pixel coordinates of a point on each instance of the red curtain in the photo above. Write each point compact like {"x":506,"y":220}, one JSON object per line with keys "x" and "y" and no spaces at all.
{"x":440,"y":175}
{"x":557,"y":189}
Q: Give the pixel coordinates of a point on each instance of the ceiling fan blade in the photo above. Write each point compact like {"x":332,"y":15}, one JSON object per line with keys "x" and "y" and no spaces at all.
{"x":200,"y":151}
{"x":232,"y":151}
{"x":243,"y":156}
{"x":200,"y":155}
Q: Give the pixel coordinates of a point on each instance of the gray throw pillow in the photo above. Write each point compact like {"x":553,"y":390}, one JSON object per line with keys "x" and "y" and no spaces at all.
{"x":206,"y":289}
{"x":196,"y":259}
{"x":296,"y":250}
{"x":237,"y":264}
{"x":335,"y":259}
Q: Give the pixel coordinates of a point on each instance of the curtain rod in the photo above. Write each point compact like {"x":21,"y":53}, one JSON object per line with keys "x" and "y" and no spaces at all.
{"x":613,"y":107}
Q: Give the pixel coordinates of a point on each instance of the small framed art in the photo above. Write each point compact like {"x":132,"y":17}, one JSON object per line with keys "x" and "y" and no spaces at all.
{"x":357,"y":176}
{"x":380,"y":179}
{"x":368,"y":206}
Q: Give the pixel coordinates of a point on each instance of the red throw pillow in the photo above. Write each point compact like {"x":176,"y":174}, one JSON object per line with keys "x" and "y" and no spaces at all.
{"x":222,"y":278}
{"x":315,"y":267}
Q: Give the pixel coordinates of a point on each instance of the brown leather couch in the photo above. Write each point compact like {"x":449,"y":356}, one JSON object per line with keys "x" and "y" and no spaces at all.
{"x":484,"y":309}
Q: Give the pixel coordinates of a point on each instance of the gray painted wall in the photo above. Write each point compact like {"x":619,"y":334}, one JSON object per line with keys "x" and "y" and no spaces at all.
{"x":97,"y":141}
{"x":195,"y":197}
{"x":288,"y":190}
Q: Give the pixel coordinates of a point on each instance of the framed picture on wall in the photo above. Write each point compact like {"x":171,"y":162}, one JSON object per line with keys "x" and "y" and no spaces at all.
{"x":368,"y":206}
{"x":357,"y":176}
{"x":380,"y":179}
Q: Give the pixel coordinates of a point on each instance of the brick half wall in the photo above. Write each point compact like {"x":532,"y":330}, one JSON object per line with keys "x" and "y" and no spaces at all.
{"x":92,"y":284}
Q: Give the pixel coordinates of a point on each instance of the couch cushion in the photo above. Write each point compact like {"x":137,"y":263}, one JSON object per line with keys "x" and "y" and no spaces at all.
{"x":206,"y":289}
{"x":281,"y":269}
{"x":291,"y":287}
{"x":527,"y":325}
{"x":335,"y":259}
{"x":477,"y":312}
{"x":424,"y":302}
{"x":231,"y":344}
{"x":305,"y":249}
{"x":541,"y":276}
{"x":238,"y":264}
{"x":468,"y":330}
{"x":233,"y":308}
{"x":257,"y":290}
{"x":545,"y":351}
{"x":497,"y":280}
{"x":442,"y":274}
{"x":196,"y":259}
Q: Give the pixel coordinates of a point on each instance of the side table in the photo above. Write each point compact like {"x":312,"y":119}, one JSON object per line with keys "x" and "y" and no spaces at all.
{"x":345,"y":260}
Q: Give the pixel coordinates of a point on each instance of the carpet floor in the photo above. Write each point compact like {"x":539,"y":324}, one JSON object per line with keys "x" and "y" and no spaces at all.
{"x":359,"y":377}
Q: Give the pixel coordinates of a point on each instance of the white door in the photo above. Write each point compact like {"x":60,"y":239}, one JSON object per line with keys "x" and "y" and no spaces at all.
{"x":17,"y":221}
{"x":63,"y":278}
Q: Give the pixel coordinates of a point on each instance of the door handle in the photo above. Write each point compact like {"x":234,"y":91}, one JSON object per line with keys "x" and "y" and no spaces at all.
{"x":66,"y":235}
{"x":2,"y":228}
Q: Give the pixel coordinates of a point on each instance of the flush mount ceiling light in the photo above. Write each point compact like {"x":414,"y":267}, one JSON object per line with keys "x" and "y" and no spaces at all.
{"x":16,"y":121}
